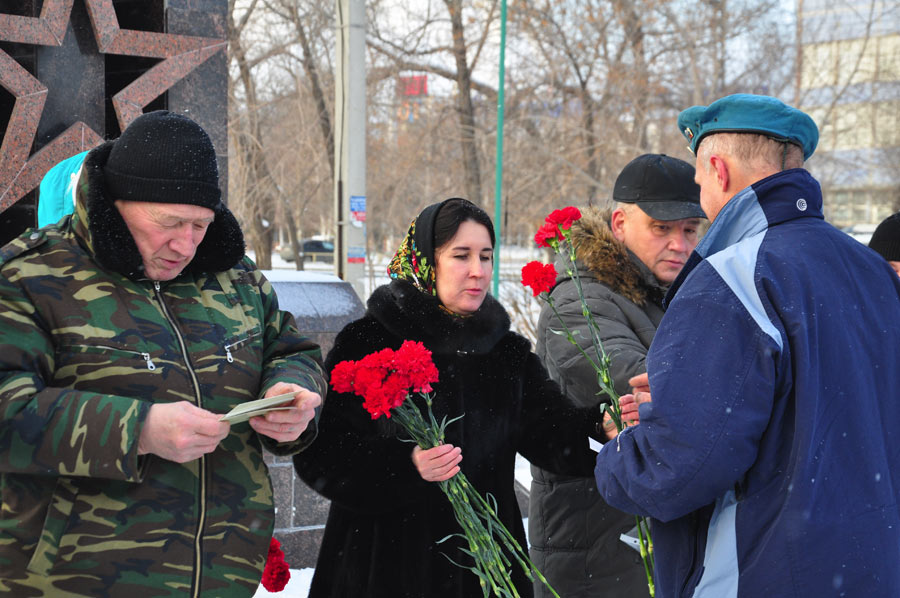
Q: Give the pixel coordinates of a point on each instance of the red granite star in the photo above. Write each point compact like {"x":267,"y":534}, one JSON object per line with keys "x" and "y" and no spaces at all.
{"x":19,"y":172}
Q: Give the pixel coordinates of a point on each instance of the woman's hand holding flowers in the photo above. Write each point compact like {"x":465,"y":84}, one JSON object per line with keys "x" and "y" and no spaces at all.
{"x":439,"y":463}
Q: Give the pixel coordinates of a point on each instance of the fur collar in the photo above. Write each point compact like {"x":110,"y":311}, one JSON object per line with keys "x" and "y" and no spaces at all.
{"x":103,"y":231}
{"x":605,"y":258}
{"x":411,"y":314}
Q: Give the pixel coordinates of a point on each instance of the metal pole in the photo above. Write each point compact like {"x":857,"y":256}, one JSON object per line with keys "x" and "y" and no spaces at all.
{"x":350,"y":149}
{"x":498,"y":170}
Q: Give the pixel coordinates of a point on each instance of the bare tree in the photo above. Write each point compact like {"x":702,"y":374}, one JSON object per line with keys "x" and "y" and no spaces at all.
{"x":279,"y":49}
{"x":259,"y":196}
{"x":425,"y":48}
{"x":589,"y":85}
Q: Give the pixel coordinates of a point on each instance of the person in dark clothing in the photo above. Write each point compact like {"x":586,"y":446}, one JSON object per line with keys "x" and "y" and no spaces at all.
{"x":886,"y":241}
{"x":387,"y":517}
{"x":626,"y":260}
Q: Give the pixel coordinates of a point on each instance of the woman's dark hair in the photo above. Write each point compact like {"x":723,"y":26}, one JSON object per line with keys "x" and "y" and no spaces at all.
{"x":452,"y":214}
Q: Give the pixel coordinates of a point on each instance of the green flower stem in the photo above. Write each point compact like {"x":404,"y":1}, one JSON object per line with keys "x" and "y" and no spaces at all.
{"x":603,"y":377}
{"x":514,"y":547}
{"x":604,"y":380}
{"x":646,"y":546}
{"x":489,"y":560}
{"x":490,"y":544}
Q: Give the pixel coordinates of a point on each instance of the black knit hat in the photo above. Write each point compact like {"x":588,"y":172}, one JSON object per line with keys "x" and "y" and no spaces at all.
{"x":161,"y":157}
{"x":886,"y":238}
{"x":164,"y":157}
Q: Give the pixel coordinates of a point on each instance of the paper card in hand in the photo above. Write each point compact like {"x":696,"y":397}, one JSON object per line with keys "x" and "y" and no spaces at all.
{"x":245,"y":411}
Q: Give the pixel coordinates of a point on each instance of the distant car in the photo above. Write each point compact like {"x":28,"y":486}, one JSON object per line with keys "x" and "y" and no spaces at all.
{"x":312,"y":250}
{"x":315,"y":250}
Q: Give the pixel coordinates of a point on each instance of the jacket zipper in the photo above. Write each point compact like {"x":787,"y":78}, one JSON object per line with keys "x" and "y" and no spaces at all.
{"x":201,"y":522}
{"x":238,"y":344}
{"x":145,"y":356}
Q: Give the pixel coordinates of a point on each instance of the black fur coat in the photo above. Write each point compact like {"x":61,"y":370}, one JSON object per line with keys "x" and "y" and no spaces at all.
{"x":385,"y":521}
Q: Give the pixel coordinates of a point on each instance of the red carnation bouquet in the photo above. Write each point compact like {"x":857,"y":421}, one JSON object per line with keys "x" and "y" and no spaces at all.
{"x":277,"y":573}
{"x":386,"y":380}
{"x":554,"y":234}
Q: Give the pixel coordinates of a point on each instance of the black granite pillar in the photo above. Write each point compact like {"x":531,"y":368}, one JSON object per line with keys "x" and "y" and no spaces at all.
{"x":203,"y":93}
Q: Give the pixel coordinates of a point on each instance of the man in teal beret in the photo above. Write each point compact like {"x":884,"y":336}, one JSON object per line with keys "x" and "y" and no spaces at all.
{"x":767,"y":457}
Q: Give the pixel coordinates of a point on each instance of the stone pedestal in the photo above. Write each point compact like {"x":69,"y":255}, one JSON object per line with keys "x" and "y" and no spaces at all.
{"x":322,"y":306}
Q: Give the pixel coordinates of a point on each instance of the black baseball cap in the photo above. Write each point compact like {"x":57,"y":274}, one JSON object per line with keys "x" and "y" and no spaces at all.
{"x":662,"y":186}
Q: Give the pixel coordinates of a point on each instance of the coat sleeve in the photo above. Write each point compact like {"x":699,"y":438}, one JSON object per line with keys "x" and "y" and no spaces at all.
{"x":713,"y":378}
{"x":554,"y":432}
{"x":356,"y":462}
{"x":54,"y":431}
{"x":290,"y":357}
{"x":626,"y":351}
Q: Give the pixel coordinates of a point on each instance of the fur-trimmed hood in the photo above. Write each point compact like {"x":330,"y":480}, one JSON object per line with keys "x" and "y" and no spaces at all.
{"x":409,"y":313}
{"x":105,"y":235}
{"x":605,"y":258}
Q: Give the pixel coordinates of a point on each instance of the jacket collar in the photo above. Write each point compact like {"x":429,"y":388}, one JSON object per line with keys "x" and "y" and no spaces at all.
{"x":782,"y":197}
{"x":603,"y":257}
{"x":408,"y":313}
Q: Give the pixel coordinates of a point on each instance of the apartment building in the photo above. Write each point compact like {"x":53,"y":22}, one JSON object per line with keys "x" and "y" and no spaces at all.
{"x":848,"y":80}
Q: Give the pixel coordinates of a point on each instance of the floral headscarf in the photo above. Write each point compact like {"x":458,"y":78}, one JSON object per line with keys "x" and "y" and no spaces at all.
{"x":414,"y":261}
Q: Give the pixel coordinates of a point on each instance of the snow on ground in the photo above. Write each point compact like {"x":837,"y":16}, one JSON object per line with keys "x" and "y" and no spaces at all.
{"x":297,"y":587}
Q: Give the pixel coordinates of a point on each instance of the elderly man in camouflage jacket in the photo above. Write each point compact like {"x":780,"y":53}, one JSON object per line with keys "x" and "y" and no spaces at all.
{"x":125,"y":332}
{"x":627,"y":258}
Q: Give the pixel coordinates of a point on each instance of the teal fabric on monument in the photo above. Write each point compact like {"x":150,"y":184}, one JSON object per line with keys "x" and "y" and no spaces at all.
{"x":56,"y":194}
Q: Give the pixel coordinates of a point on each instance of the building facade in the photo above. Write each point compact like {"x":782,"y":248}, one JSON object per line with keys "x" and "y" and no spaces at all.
{"x":848,"y":80}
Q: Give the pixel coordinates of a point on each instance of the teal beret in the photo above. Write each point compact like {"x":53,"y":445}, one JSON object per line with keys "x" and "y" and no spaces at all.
{"x":746,"y":113}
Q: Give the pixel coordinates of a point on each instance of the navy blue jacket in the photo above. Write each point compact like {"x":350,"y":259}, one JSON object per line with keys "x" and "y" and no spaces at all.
{"x":770,"y":455}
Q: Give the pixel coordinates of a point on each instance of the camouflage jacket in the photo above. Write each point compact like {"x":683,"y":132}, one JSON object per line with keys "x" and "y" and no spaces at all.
{"x":84,"y":352}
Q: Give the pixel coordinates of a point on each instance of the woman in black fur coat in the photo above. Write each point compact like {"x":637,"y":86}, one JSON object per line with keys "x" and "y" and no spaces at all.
{"x":387,"y":515}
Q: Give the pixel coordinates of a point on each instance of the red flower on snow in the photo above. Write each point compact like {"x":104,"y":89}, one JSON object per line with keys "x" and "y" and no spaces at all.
{"x":540,"y":277}
{"x":384,"y":379}
{"x":277,"y":573}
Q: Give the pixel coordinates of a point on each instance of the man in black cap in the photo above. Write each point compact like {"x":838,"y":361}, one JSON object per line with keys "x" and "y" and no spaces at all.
{"x":626,"y":260}
{"x":127,"y":330}
{"x":768,"y":457}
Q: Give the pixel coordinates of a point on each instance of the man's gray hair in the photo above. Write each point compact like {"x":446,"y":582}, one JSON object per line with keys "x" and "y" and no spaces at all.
{"x":625,"y":206}
{"x":751,"y":150}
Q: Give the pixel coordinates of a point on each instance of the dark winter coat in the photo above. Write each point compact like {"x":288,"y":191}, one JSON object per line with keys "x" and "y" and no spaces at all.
{"x":85,"y":351}
{"x":574,"y":534}
{"x":385,"y":521}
